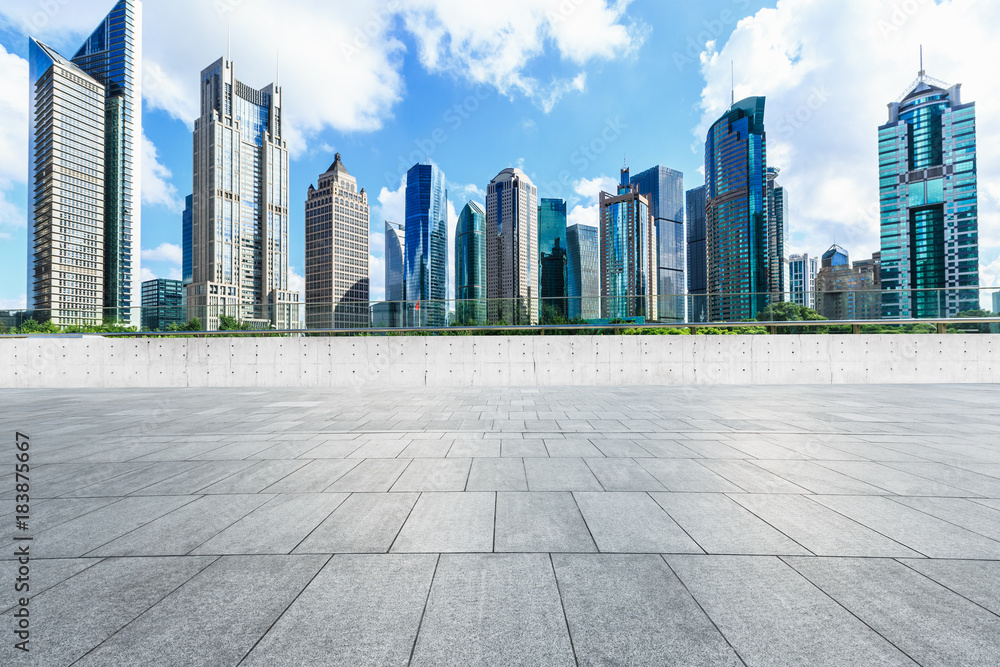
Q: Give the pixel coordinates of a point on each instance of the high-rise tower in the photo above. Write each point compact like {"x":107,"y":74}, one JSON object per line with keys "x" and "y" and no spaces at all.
{"x":425,"y":268}
{"x":628,"y":254}
{"x":552,"y":257}
{"x":697,"y":259}
{"x":512,"y":248}
{"x":664,"y":188}
{"x":470,"y":265}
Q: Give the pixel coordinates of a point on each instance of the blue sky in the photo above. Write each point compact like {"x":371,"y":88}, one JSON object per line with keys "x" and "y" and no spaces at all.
{"x":568,"y":91}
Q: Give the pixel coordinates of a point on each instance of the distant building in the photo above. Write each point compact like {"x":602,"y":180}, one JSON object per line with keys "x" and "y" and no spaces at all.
{"x":512,"y":248}
{"x":583,"y":272}
{"x":802,"y":271}
{"x":845,"y":292}
{"x":996,"y":302}
{"x":187,"y":236}
{"x":552,"y":257}
{"x":697,"y":260}
{"x":470,"y":265}
{"x":929,"y":204}
{"x":777,"y":207}
{"x":664,"y":188}
{"x":162,"y":304}
{"x":390,"y":312}
{"x":836,"y":257}
{"x":628,"y":254}
{"x":337,"y":251}
{"x":425,"y":263}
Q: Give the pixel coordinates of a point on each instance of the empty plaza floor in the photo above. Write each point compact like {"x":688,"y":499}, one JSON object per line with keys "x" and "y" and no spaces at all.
{"x":834,"y":525}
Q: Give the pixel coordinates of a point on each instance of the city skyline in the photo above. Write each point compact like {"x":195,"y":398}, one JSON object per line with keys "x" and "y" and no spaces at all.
{"x":481,"y":102}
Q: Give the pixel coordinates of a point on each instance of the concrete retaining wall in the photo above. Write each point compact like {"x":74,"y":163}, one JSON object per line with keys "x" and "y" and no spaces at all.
{"x":491,"y":361}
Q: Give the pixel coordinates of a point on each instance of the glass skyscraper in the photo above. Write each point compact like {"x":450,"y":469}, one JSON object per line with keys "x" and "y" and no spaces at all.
{"x":240,"y":204}
{"x":512,"y":248}
{"x":697,"y":260}
{"x":664,"y":188}
{"x":63,"y":132}
{"x":628,"y":254}
{"x":552,"y":257}
{"x":187,"y":235}
{"x":470,"y":265}
{"x":802,"y":280}
{"x":395,"y":242}
{"x":425,"y":265}
{"x":162,"y":304}
{"x":739,"y":267}
{"x":929,"y":203}
{"x":583,"y":272}
{"x":776,"y":211}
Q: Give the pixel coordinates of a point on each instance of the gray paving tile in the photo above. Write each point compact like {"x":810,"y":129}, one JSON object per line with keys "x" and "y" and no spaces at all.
{"x":931,"y":624}
{"x":493,"y":609}
{"x":620,"y":447}
{"x":496,"y":474}
{"x":256,"y":478}
{"x":380,"y":601}
{"x":572,"y":447}
{"x":523,"y":448}
{"x":817,"y":479}
{"x":977,"y":580}
{"x":959,"y":511}
{"x":721,"y":526}
{"x":562,"y":474}
{"x":193,"y":481}
{"x":236,"y":597}
{"x":893,"y":480}
{"x":313,"y":477}
{"x":540,"y":522}
{"x":682,"y":475}
{"x":772,"y":615}
{"x":474,"y":449}
{"x":379,"y":449}
{"x":622,"y":474}
{"x":45,"y":574}
{"x":419,"y":449}
{"x":132,"y":481}
{"x":632,"y":610}
{"x":668,"y":449}
{"x":372,"y":475}
{"x":632,"y":523}
{"x":751,"y":478}
{"x":276,"y":527}
{"x":434,"y":475}
{"x":449,"y":522}
{"x":972,"y":482}
{"x":820,"y":529}
{"x":364,"y":523}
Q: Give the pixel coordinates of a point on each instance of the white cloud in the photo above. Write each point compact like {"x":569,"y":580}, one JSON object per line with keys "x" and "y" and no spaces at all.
{"x":376,"y":278}
{"x":584,"y":208}
{"x":584,"y":215}
{"x":13,"y":139}
{"x":157,"y":190}
{"x":391,"y":206}
{"x":165,"y":252}
{"x":591,"y":188}
{"x":146,"y":274}
{"x":296,"y":283}
{"x":828,"y":69}
{"x":20,"y":303}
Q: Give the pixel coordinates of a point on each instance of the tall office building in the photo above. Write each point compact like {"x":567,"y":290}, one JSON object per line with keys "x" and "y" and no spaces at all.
{"x":337,"y":251}
{"x":835,"y":257}
{"x":846,"y":292}
{"x":187,"y":236}
{"x":628,"y":254}
{"x":802,"y":280}
{"x":162,"y":304}
{"x":552,"y":257}
{"x":739,"y":267}
{"x":697,"y":260}
{"x":470,"y":265}
{"x":583,"y":272}
{"x":929,"y":205}
{"x":512,"y":248}
{"x":425,"y":264}
{"x":240,"y":204}
{"x":395,"y":244}
{"x":664,"y":188}
{"x":777,"y":207}
{"x":85,"y":174}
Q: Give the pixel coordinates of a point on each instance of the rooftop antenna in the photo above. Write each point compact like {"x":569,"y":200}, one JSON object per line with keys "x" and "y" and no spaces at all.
{"x":229,"y":41}
{"x":922,"y":72}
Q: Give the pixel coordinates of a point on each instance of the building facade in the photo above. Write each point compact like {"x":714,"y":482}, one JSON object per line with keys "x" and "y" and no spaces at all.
{"x":66,"y":139}
{"x":337,"y":251}
{"x":777,"y":264}
{"x":552,"y":258}
{"x":583,"y":272}
{"x":628,"y":254}
{"x":697,"y":259}
{"x":240,"y":241}
{"x":802,"y":271}
{"x":664,"y":188}
{"x":512,"y":248}
{"x":187,"y":236}
{"x":929,"y":203}
{"x":996,"y":302}
{"x":395,"y":249}
{"x":162,"y":304}
{"x":846,"y":292}
{"x":425,"y":264}
{"x":470,"y":265}
{"x":736,"y":238}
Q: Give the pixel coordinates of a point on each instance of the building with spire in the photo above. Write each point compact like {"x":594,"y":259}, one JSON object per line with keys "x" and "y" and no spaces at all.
{"x":337,"y":251}
{"x":628,"y":254}
{"x":929,"y":202}
{"x":85,"y":174}
{"x":512,"y":248}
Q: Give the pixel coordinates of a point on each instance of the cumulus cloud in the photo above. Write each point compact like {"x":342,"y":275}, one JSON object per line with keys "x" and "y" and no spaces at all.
{"x":584,"y":207}
{"x":157,"y":190}
{"x":296,"y":283}
{"x":19,"y":303}
{"x":165,"y":252}
{"x":828,"y":69}
{"x":13,"y":139}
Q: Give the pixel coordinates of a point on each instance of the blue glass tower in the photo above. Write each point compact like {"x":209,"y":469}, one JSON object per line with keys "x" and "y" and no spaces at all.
{"x":583,"y":272}
{"x":395,"y":242}
{"x":425,"y":265}
{"x":628,"y":254}
{"x":929,"y":203}
{"x":552,"y":257}
{"x":697,"y":260}
{"x":187,"y":234}
{"x":664,"y":188}
{"x":736,"y":213}
{"x":470,"y":265}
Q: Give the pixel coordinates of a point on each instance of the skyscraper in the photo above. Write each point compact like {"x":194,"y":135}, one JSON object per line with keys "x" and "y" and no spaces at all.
{"x":697,"y":260}
{"x":583,"y":272}
{"x":628,"y":254}
{"x":425,"y":264}
{"x":395,"y":243}
{"x":777,"y":205}
{"x":187,"y":236}
{"x":162,"y":304}
{"x":552,"y":257}
{"x":65,"y":138}
{"x":736,"y":213}
{"x":929,"y":204}
{"x":240,"y":204}
{"x":512,"y":248}
{"x":845,"y":292}
{"x":337,"y":251}
{"x":664,"y":188}
{"x":470,"y":265}
{"x":802,"y":280}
